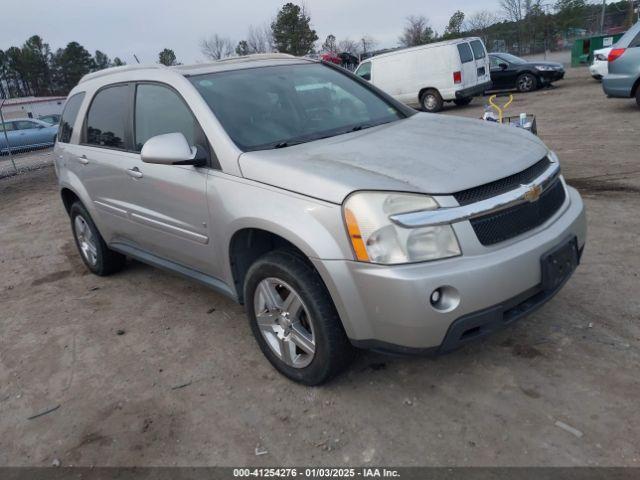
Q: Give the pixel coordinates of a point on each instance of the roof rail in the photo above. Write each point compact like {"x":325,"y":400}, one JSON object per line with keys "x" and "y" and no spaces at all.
{"x":258,"y":56}
{"x":113,"y":70}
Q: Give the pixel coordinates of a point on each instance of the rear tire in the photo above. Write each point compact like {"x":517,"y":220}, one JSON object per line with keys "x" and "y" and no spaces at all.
{"x":431,"y":101}
{"x":95,"y":254}
{"x":526,"y":82}
{"x":279,"y":327}
{"x":638,"y":96}
{"x":462,"y":102}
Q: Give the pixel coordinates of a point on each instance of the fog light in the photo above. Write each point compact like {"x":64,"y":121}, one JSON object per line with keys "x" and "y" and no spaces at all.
{"x":445,"y":299}
{"x":435,"y":297}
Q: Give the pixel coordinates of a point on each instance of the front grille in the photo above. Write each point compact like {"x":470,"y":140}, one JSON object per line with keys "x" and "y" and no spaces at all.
{"x":503,"y":185}
{"x":511,"y":222}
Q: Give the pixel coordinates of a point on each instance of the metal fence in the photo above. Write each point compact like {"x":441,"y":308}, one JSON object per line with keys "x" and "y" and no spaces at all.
{"x":25,"y":143}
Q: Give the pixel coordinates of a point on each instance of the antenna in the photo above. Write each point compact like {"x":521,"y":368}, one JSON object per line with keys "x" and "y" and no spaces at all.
{"x":134,"y":56}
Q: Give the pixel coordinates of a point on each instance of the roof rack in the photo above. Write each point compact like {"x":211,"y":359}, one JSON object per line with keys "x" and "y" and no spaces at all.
{"x":113,"y":70}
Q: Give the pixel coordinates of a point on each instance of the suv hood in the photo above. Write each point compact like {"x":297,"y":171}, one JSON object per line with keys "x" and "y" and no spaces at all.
{"x":425,"y":153}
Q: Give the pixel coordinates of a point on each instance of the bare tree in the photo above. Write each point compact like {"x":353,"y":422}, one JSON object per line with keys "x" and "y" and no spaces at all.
{"x":216,"y":47}
{"x":367,"y":43}
{"x":480,"y":21}
{"x":349,"y":46}
{"x":416,"y":32}
{"x":514,"y":10}
{"x":260,"y":39}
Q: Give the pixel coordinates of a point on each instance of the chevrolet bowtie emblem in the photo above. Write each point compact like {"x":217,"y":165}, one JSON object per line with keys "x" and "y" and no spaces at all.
{"x":533,"y":193}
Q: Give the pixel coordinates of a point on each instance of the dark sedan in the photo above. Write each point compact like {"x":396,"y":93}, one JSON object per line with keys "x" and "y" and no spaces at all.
{"x":511,"y":72}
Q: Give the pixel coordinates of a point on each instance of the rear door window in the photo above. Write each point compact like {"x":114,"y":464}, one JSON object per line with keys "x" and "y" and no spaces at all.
{"x":478,"y":49}
{"x":635,"y":42}
{"x":107,"y":119}
{"x":7,"y":127}
{"x":466,"y":55}
{"x":69,"y":116}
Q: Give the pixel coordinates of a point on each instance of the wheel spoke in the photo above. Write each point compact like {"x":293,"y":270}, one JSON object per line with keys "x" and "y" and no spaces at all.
{"x":292,"y":304}
{"x":287,"y":351}
{"x":269,"y":294}
{"x":266,"y":321}
{"x":302,"y":339}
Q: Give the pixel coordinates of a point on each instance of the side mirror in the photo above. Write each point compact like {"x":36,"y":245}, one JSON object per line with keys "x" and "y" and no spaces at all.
{"x":503,"y":66}
{"x":367,"y":77}
{"x":170,"y":149}
{"x":40,"y":127}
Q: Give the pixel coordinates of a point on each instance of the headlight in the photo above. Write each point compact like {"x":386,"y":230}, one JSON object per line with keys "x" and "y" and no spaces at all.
{"x":545,"y":68}
{"x":376,"y":239}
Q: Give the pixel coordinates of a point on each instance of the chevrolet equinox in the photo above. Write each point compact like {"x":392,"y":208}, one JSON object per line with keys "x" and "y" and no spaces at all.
{"x":338,"y":216}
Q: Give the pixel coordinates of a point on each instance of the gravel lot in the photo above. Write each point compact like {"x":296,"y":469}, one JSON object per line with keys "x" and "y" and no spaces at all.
{"x":145,"y":368}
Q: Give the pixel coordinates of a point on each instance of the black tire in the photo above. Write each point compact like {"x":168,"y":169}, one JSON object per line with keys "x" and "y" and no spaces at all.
{"x":638,"y":96}
{"x":333,"y":351}
{"x":431,"y":101}
{"x":107,"y":261}
{"x":462,"y":102}
{"x":527,"y":82}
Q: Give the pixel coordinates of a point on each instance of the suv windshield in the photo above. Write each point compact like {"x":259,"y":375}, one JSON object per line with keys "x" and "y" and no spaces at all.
{"x":280,"y":106}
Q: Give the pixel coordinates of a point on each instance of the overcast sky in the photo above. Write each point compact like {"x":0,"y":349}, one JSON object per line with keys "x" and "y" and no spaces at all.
{"x":144,"y":27}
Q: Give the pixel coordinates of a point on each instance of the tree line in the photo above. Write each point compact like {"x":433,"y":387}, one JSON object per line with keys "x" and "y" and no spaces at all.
{"x":34,"y":69}
{"x":522,"y":25}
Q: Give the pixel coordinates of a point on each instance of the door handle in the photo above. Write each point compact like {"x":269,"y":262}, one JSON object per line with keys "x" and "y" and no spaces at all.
{"x":134,"y":172}
{"x":83,"y":160}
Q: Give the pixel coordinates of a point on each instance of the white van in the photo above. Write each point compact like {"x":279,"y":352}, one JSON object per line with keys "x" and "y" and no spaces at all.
{"x":429,"y":75}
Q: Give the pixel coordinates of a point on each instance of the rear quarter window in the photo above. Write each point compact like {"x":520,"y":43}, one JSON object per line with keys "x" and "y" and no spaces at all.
{"x":69,"y":116}
{"x":466,"y":55}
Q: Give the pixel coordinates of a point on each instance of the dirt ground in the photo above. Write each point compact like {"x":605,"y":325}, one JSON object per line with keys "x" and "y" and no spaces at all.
{"x":146,"y":368}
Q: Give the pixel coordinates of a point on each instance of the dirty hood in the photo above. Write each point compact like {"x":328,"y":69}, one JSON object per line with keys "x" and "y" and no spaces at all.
{"x":425,"y":153}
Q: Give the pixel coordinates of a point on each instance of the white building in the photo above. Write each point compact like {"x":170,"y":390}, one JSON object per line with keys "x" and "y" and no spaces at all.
{"x":32,"y":107}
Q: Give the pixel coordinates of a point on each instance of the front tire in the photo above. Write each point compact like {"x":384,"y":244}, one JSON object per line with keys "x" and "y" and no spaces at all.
{"x":526,"y":82}
{"x":431,"y":101}
{"x":95,"y":254}
{"x":638,"y":96}
{"x":293,"y":319}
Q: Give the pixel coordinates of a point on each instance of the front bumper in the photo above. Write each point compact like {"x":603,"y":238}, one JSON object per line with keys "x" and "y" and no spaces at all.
{"x":552,"y":76}
{"x":388,"y":308}
{"x":474,"y":91}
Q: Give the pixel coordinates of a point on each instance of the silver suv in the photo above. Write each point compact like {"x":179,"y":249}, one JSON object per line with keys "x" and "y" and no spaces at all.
{"x":338,"y":216}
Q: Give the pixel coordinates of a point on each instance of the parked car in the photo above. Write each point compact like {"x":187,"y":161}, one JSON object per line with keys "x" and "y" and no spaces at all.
{"x":623,"y":80}
{"x":600,"y":66}
{"x":511,"y":72}
{"x":427,"y":76}
{"x":26,"y":134}
{"x":53,"y":119}
{"x":337,"y":215}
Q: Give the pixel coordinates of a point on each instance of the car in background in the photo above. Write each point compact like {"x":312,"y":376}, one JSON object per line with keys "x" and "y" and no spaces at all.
{"x":26,"y":134}
{"x":623,"y":80}
{"x":53,"y":119}
{"x":511,"y":72}
{"x":600,"y":66}
{"x":427,"y":76}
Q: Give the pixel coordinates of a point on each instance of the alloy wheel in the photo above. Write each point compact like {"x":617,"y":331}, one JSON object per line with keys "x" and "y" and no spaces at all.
{"x":86,"y":240}
{"x":284,"y":322}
